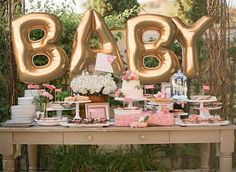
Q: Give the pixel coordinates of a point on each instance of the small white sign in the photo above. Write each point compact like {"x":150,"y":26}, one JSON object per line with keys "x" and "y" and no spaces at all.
{"x":103,"y":62}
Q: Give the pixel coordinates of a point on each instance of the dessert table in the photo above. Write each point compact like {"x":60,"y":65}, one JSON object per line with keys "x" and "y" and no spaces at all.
{"x":222,"y":135}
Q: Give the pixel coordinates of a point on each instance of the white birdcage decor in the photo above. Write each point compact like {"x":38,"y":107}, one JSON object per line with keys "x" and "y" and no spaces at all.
{"x":179,"y":85}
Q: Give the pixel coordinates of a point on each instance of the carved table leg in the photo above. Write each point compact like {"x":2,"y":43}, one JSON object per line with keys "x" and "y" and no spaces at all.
{"x":225,"y":162}
{"x":8,"y":163}
{"x":33,"y":158}
{"x":226,"y":149}
{"x":205,"y":155}
{"x":7,"y":149}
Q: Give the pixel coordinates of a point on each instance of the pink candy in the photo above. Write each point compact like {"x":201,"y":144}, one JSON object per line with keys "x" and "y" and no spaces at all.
{"x":138,"y":124}
{"x":125,"y":120}
{"x":161,"y":119}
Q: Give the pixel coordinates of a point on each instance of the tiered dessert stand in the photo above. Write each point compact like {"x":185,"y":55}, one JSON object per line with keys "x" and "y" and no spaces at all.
{"x":204,"y":111}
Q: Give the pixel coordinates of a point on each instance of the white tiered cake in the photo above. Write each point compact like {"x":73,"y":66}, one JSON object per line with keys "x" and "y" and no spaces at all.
{"x":132,"y":89}
{"x":131,"y":86}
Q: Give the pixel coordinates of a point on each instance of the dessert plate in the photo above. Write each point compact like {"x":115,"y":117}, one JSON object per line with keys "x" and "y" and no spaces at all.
{"x":49,"y":122}
{"x":209,"y":108}
{"x":98,"y":125}
{"x":11,"y":123}
{"x":81,"y":101}
{"x":202,"y":124}
{"x":133,"y":99}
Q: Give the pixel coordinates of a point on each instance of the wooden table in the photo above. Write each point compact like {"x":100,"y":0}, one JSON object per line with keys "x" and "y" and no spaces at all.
{"x":223,"y":135}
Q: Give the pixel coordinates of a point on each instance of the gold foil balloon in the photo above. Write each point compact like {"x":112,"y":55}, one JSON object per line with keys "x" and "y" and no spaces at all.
{"x":137,"y":50}
{"x":188,"y":36}
{"x":82,"y":54}
{"x":25,"y":49}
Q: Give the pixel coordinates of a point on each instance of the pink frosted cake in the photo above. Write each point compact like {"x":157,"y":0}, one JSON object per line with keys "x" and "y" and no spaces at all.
{"x":123,"y":116}
{"x":164,"y":118}
{"x":125,"y":120}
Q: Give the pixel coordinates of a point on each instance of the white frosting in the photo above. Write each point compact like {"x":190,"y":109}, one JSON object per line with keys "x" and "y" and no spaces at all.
{"x":25,"y":100}
{"x":132,"y":89}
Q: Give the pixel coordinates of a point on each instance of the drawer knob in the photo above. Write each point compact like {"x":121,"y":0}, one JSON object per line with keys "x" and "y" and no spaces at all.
{"x":143,"y":137}
{"x":89,"y":138}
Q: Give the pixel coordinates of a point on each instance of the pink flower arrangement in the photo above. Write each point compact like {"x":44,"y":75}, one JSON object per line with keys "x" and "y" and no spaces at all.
{"x":50,"y":87}
{"x":117,"y":93}
{"x":33,"y":86}
{"x":128,"y":75}
{"x":47,"y":86}
{"x":45,"y":94}
{"x":133,"y":76}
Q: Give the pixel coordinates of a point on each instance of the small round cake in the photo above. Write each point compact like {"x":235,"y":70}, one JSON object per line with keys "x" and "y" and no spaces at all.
{"x":82,"y":98}
{"x":76,"y":98}
{"x":70,"y":99}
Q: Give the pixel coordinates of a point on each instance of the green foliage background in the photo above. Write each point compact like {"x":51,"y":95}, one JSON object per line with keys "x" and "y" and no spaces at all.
{"x":123,"y":158}
{"x":4,"y":103}
{"x":92,"y":158}
{"x":111,"y":7}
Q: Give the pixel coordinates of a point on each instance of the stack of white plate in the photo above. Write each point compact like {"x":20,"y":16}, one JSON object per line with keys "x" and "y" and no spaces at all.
{"x":31,"y":93}
{"x":25,"y":100}
{"x":23,"y":113}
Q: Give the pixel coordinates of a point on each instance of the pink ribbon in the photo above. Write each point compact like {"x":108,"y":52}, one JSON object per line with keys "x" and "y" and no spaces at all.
{"x":110,"y":59}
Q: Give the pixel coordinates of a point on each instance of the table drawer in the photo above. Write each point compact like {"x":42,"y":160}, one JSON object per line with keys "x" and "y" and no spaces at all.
{"x":116,"y":137}
{"x":194,"y":136}
{"x":38,"y":138}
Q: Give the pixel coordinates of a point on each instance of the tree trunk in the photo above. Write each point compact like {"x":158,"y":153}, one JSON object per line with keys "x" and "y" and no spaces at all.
{"x":219,"y":67}
{"x":12,"y":77}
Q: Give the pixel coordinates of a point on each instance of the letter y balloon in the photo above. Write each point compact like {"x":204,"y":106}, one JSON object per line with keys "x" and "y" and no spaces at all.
{"x":188,"y":36}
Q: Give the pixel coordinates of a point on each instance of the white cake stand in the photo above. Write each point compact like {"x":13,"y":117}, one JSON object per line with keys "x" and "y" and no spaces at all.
{"x":59,"y":110}
{"x":77,"y":116}
{"x":203,"y":112}
{"x":130,"y":100}
{"x":210,"y":108}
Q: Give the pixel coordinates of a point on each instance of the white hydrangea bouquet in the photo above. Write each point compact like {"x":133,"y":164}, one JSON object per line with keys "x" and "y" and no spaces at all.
{"x":94,"y":84}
